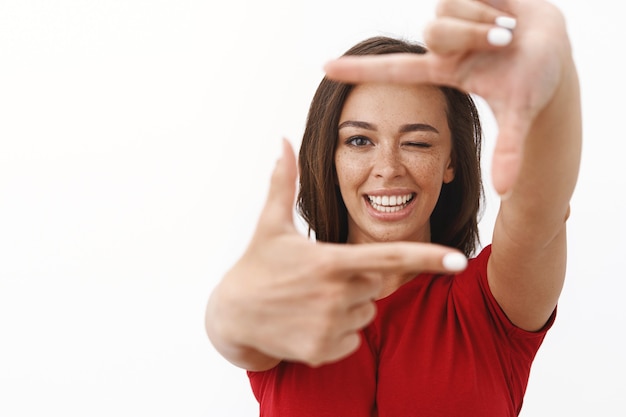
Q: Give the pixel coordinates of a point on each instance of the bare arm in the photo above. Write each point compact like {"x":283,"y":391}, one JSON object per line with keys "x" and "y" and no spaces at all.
{"x":529,"y":80}
{"x":527,"y":266}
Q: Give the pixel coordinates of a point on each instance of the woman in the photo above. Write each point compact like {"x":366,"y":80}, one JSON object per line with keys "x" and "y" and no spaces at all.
{"x":396,"y":322}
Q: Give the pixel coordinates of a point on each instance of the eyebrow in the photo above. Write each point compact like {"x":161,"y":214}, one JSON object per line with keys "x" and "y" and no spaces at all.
{"x":418,"y":127}
{"x":411,"y":127}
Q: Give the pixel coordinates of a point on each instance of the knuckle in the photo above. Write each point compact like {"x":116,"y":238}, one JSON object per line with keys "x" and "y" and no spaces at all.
{"x":445,"y":8}
{"x":435,"y":31}
{"x":340,"y":348}
{"x":329,"y":298}
{"x":368,"y":313}
{"x":324,"y":263}
{"x":363,"y":315}
{"x":487,"y":15}
{"x":394,"y":259}
{"x":328,"y":321}
{"x":315,"y":350}
{"x":334,"y":300}
{"x":431,"y":36}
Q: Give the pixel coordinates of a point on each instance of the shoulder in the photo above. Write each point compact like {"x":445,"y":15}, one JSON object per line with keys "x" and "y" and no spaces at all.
{"x":474,"y":283}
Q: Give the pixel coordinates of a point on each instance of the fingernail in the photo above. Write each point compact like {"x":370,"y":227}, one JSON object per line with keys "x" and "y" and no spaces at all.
{"x":454,"y":262}
{"x":499,"y":36}
{"x":506,"y":22}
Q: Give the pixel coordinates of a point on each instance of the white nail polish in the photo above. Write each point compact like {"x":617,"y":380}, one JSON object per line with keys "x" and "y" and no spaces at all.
{"x":499,"y":36}
{"x":506,"y":22}
{"x":454,"y":262}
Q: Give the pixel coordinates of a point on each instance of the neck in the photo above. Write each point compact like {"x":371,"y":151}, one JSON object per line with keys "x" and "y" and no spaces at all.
{"x":392,"y":282}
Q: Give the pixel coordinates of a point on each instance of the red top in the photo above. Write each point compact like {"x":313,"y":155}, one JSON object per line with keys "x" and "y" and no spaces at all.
{"x":439,"y":346}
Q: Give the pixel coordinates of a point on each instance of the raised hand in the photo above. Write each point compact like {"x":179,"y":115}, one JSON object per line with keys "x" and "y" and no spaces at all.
{"x":288,"y":298}
{"x":517,"y":76}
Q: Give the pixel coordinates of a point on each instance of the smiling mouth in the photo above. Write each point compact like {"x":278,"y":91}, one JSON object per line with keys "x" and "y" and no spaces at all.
{"x":390,"y":203}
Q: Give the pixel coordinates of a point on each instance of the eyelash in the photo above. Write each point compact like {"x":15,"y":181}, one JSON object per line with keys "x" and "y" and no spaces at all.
{"x":419,"y":144}
{"x":352,"y":142}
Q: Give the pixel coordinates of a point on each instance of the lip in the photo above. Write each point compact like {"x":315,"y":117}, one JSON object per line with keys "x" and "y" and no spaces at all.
{"x":397,"y":214}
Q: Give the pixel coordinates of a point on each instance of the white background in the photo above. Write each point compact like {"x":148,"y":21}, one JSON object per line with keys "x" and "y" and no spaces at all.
{"x":136,"y":143}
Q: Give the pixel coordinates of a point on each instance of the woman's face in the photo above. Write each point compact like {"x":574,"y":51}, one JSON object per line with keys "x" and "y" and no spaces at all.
{"x":392,"y":157}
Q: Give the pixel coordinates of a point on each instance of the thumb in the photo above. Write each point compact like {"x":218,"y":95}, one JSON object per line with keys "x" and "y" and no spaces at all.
{"x":508,"y":152}
{"x":277,"y":214}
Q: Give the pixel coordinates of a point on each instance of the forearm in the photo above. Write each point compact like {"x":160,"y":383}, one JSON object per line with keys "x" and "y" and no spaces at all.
{"x":539,"y":203}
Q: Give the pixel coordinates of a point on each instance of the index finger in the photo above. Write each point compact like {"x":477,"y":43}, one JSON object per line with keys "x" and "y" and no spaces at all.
{"x":405,"y":68}
{"x":399,"y":257}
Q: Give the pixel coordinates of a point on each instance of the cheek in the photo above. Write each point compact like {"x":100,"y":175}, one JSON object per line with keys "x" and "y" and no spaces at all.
{"x":430,"y":170}
{"x":348,"y":170}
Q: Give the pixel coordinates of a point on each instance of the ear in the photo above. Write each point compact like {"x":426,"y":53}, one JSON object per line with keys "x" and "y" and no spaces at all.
{"x":448,"y":174}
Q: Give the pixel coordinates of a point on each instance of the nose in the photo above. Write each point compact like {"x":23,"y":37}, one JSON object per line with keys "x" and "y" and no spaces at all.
{"x":388,"y":163}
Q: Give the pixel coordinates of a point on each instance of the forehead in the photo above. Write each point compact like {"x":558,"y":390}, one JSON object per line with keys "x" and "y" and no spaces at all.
{"x":406,"y":103}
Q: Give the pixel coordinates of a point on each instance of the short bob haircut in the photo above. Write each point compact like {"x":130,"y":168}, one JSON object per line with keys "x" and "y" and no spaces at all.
{"x":454,"y":221}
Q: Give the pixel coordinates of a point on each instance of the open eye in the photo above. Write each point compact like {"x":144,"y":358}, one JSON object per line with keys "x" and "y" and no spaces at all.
{"x":358,"y":141}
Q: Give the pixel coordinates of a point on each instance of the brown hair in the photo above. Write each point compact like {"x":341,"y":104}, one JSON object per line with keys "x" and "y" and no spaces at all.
{"x":454,"y":221}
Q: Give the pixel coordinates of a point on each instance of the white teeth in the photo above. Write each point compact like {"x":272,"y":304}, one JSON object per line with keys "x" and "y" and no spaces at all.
{"x":389,"y":204}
